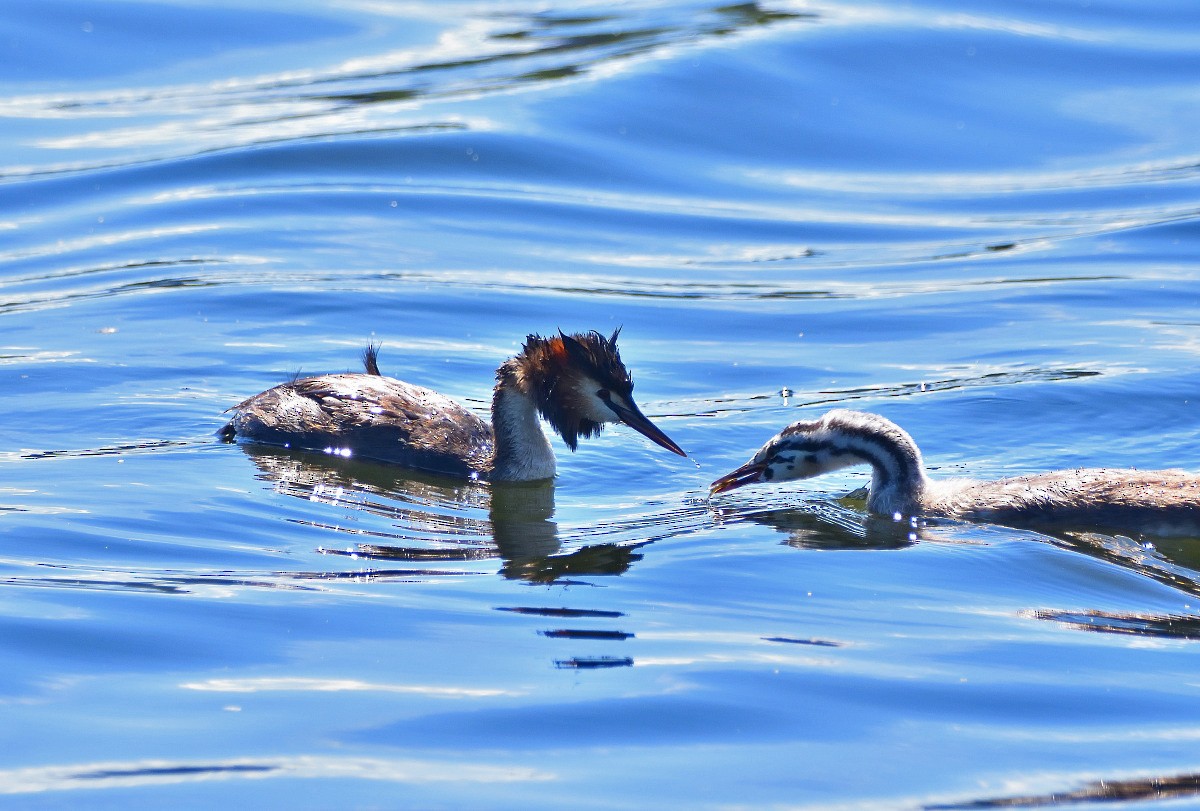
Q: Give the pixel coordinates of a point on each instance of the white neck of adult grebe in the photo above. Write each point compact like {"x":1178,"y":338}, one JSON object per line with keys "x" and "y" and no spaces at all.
{"x":523,"y":452}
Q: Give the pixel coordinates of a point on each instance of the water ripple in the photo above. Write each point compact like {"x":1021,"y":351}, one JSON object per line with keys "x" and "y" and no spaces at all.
{"x":381,"y":93}
{"x":129,"y":774}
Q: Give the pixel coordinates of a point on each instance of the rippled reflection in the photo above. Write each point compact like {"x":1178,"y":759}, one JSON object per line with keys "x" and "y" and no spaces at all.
{"x":426,"y":517}
{"x":825,"y":524}
{"x":1173,"y":563}
{"x":1173,"y":787}
{"x":129,"y":774}
{"x":842,"y":524}
{"x":430,"y":519}
{"x":1163,"y":626}
{"x":384,"y":92}
{"x":598,"y":559}
{"x":947,"y":379}
{"x":209,"y":584}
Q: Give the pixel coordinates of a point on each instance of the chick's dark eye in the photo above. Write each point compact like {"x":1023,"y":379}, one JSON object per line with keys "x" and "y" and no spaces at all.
{"x":604,"y":395}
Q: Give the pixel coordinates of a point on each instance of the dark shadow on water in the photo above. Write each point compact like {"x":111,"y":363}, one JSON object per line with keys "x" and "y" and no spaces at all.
{"x":1174,"y":787}
{"x":593,"y":662}
{"x":561,"y":612}
{"x":819,"y":643}
{"x":174,"y":771}
{"x":587,"y":633}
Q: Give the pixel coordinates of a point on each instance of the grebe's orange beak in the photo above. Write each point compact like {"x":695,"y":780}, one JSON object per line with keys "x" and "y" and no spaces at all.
{"x":748,"y":473}
{"x":636,"y":420}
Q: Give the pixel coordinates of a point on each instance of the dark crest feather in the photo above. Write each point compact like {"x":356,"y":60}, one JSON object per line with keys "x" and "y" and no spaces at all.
{"x":370,"y":359}
{"x":599,"y":358}
{"x":591,"y":355}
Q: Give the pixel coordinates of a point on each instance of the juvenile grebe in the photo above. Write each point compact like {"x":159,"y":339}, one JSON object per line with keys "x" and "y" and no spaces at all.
{"x":1158,"y":502}
{"x":576,"y":382}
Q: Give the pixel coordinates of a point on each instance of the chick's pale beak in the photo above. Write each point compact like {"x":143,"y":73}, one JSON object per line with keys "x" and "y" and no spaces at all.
{"x":638,"y":422}
{"x":748,"y":473}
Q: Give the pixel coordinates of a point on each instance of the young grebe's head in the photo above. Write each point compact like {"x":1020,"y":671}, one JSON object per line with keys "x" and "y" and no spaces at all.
{"x":838,"y":439}
{"x":580,"y":383}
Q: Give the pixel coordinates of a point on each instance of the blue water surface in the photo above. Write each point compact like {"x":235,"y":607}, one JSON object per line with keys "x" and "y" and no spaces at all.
{"x":980,"y":220}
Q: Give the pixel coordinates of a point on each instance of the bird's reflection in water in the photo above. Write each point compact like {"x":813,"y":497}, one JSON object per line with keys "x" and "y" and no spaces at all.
{"x":1141,"y":789}
{"x":605,"y":558}
{"x":839,"y":524}
{"x":845,"y":524}
{"x":1173,"y":563}
{"x":433,"y":518}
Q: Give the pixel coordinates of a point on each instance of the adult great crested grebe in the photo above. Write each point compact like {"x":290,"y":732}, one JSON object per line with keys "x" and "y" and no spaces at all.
{"x":576,"y":382}
{"x":1138,"y":502}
